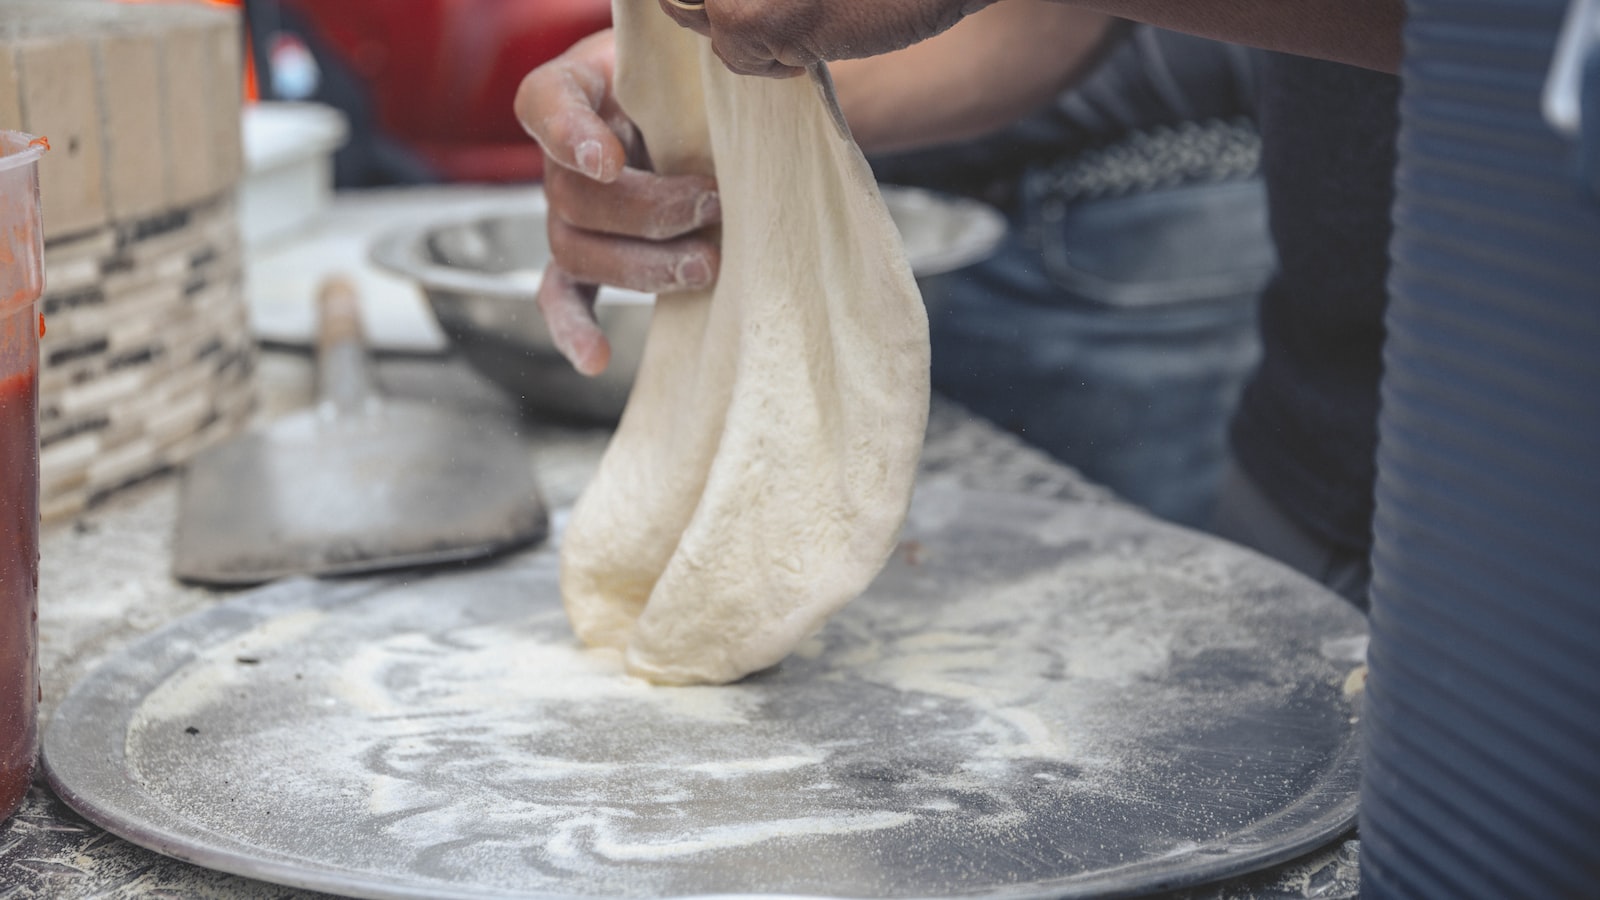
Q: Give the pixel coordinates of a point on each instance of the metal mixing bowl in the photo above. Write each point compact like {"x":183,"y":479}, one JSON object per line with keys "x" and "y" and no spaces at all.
{"x":480,"y":276}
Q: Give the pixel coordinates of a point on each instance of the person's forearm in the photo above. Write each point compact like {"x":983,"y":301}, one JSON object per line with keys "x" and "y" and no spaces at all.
{"x":1362,"y":33}
{"x":1009,"y":58}
{"x":991,"y":68}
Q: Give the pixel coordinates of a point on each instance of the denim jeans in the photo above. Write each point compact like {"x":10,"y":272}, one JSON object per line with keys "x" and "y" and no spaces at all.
{"x":1246,"y":516}
{"x":1114,"y":333}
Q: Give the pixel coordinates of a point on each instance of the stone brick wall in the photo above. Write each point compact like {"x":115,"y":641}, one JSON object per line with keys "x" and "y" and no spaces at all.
{"x":147,"y":357}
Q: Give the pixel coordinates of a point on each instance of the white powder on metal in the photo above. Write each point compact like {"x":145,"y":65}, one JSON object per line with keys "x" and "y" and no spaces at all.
{"x":447,"y":736}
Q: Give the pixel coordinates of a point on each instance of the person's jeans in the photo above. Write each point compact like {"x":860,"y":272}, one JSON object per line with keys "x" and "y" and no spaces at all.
{"x":1114,"y":333}
{"x":1246,"y":516}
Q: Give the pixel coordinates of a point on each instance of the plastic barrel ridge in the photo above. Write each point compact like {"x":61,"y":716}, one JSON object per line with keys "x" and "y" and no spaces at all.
{"x":1481,"y":776}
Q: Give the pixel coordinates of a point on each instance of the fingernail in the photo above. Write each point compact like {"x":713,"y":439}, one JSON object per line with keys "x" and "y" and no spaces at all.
{"x":694,"y":272}
{"x":708,"y":208}
{"x":590,"y":159}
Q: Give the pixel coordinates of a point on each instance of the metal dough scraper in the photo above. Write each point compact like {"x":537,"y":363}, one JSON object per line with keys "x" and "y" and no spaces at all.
{"x":355,"y":484}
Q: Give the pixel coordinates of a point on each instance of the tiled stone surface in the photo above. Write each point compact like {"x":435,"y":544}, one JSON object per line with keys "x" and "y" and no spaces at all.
{"x":147,"y":355}
{"x":140,"y":102}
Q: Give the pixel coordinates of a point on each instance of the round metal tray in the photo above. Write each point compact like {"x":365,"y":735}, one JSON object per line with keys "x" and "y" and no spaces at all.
{"x":1035,"y":699}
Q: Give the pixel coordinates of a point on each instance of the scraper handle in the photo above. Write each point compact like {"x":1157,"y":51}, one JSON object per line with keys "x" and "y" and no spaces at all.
{"x":344,"y":381}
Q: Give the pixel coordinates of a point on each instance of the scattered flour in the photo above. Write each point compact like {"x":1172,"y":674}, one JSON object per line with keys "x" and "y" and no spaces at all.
{"x":973,"y":721}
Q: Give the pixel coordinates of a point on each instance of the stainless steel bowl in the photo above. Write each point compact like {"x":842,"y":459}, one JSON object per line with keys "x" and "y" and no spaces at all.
{"x":480,"y":276}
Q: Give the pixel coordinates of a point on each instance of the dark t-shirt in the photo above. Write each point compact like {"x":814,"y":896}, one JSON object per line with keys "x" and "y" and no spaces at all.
{"x":1306,"y":429}
{"x":1148,"y":78}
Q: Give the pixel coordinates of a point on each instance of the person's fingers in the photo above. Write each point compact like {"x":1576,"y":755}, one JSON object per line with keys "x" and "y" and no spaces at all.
{"x":688,"y":14}
{"x":637,"y":204}
{"x":742,"y":60}
{"x":742,"y":34}
{"x":756,"y":38}
{"x":564,"y":105}
{"x":657,"y":267}
{"x":783,"y":38}
{"x":568,"y":309}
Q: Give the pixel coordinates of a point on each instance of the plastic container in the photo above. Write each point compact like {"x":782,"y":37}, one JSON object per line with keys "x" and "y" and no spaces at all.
{"x":1481,"y":772}
{"x":21,"y":283}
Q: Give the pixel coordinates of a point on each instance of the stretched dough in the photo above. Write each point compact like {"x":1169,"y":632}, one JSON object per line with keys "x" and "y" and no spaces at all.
{"x":763,"y":467}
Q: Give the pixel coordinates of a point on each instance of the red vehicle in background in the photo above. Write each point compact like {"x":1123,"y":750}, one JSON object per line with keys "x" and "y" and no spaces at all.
{"x":427,"y":84}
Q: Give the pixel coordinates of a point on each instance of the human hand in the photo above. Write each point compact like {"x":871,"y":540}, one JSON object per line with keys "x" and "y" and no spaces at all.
{"x":781,"y":38}
{"x":610,"y":222}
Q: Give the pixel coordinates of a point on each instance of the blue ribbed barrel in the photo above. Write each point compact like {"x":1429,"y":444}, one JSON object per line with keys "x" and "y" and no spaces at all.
{"x":1482,"y":769}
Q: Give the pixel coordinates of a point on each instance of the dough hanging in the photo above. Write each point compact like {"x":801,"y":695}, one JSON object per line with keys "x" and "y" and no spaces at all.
{"x":761,"y":472}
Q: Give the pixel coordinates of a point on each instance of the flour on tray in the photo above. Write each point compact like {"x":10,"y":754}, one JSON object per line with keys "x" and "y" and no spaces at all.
{"x":971,"y":722}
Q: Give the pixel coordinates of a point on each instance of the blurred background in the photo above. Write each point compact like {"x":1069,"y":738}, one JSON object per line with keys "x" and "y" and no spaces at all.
{"x":426,"y":85}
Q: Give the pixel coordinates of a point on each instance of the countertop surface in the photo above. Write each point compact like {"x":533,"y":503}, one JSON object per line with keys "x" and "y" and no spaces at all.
{"x":104,"y":582}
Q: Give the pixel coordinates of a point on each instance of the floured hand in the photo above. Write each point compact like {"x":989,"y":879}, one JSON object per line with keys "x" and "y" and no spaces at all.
{"x":781,"y":38}
{"x":610,"y":222}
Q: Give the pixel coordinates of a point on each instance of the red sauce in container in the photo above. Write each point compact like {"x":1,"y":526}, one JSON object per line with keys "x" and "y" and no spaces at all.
{"x":19,"y":583}
{"x":21,"y":283}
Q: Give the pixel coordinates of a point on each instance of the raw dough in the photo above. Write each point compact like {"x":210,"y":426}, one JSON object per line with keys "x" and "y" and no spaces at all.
{"x":762,"y":469}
